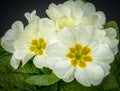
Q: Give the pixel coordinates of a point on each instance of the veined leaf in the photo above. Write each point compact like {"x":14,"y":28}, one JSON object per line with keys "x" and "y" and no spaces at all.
{"x":74,"y":86}
{"x":43,"y":80}
{"x":110,"y":82}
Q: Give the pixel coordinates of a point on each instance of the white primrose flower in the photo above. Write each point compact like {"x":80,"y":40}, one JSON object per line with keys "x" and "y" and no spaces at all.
{"x":33,"y":42}
{"x":78,"y":55}
{"x":29,"y":42}
{"x":72,"y":13}
{"x":16,"y":29}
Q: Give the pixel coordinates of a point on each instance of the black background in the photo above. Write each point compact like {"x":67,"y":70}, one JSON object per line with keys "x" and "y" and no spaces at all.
{"x":12,"y":10}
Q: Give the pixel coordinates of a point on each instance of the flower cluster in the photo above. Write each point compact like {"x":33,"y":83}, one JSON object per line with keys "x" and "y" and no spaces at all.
{"x":72,"y":42}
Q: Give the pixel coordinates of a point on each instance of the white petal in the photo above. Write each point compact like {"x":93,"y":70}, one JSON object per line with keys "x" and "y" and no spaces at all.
{"x":103,"y":54}
{"x":14,"y":62}
{"x":88,"y":9}
{"x":92,"y":75}
{"x":56,"y":49}
{"x":11,"y":35}
{"x":106,"y":67}
{"x":25,"y":38}
{"x":46,"y":25}
{"x":62,"y":68}
{"x":23,"y":55}
{"x":84,"y":35}
{"x":40,"y":61}
{"x":110,"y":32}
{"x":17,"y":27}
{"x":31,"y":31}
{"x":101,"y":18}
{"x":64,"y":9}
{"x":7,"y":45}
{"x":32,"y":17}
{"x":91,"y":20}
{"x":47,"y":29}
{"x":95,"y":73}
{"x":66,"y":36}
{"x":57,"y":11}
{"x":114,"y":43}
{"x":99,"y":34}
{"x":53,"y":12}
{"x":94,"y":44}
{"x":75,"y":6}
{"x":82,"y":77}
{"x":115,"y":50}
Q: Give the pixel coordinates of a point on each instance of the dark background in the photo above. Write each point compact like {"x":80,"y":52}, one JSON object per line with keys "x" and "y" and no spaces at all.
{"x":12,"y":10}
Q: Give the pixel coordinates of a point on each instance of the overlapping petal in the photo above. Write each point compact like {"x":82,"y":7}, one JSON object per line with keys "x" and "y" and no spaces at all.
{"x":40,"y":61}
{"x":81,"y":13}
{"x":61,"y":67}
{"x":11,"y":36}
{"x":72,"y":43}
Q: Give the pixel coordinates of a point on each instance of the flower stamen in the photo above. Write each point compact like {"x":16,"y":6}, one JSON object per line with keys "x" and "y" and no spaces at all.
{"x":38,"y":46}
{"x":79,"y":55}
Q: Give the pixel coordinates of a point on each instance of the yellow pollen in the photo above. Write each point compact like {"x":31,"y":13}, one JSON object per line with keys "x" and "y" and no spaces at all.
{"x":88,"y":58}
{"x":82,"y":64}
{"x":74,"y":62}
{"x":72,"y":50}
{"x":38,"y":46}
{"x":40,"y":52}
{"x":70,"y":55}
{"x":41,"y":40}
{"x":65,"y":22}
{"x":44,"y":45}
{"x":34,"y":42}
{"x":32,"y":48}
{"x":78,"y":47}
{"x":86,"y":50}
{"x":79,"y":55}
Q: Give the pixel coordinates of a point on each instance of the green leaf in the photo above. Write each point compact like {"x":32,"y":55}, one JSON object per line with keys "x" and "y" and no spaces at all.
{"x":42,"y":80}
{"x":74,"y":86}
{"x":110,"y":82}
{"x":84,"y":1}
{"x":29,"y":68}
{"x":5,"y":61}
{"x":114,"y":25}
{"x":15,"y":81}
{"x":46,"y":71}
{"x":10,"y":79}
{"x":53,"y":87}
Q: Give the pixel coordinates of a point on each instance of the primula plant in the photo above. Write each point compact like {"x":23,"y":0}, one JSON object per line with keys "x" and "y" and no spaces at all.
{"x":73,"y":49}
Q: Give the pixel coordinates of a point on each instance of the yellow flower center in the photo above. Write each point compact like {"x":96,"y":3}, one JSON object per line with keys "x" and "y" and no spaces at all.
{"x":37,"y":46}
{"x":79,"y":55}
{"x":65,"y":22}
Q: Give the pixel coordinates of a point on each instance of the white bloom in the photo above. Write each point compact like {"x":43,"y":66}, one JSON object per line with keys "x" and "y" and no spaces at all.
{"x":33,"y":41}
{"x":77,"y":55}
{"x":29,"y":42}
{"x":16,"y":29}
{"x":72,"y":13}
